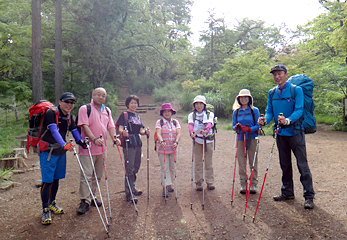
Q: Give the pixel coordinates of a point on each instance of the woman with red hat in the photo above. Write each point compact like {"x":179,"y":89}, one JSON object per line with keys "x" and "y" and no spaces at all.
{"x":168,"y":135}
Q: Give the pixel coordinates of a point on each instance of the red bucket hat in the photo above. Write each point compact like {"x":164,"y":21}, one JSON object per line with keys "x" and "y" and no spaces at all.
{"x":167,"y":106}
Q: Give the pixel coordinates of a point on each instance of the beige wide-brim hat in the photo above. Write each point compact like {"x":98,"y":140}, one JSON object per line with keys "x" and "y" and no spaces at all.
{"x":243,"y":93}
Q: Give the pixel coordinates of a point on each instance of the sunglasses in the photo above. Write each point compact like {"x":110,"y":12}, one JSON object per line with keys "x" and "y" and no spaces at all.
{"x":69,"y":102}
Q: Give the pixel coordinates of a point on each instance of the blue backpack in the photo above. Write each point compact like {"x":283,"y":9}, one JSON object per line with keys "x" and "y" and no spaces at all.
{"x":308,"y":120}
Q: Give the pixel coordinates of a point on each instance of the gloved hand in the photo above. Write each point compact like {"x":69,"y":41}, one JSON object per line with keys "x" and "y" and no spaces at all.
{"x":246,"y":129}
{"x":67,"y":146}
{"x":238,"y":126}
{"x":82,"y":143}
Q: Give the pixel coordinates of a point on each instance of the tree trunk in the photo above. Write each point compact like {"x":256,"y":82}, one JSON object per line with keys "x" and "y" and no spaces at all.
{"x":58,"y":51}
{"x":37,"y":86}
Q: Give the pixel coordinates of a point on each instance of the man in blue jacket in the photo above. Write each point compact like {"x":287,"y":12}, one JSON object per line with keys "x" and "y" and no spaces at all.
{"x":290,"y":136}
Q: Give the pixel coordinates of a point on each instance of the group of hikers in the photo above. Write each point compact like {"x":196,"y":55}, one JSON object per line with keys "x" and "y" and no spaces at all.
{"x":95,"y":120}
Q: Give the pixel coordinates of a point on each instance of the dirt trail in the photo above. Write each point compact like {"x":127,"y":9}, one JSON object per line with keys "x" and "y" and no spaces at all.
{"x":20,"y":207}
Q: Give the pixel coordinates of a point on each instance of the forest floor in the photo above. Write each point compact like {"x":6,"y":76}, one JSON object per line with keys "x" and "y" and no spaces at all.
{"x":20,"y":207}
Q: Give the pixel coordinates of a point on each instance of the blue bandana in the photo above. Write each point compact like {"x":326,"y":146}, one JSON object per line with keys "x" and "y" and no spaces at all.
{"x":281,"y":89}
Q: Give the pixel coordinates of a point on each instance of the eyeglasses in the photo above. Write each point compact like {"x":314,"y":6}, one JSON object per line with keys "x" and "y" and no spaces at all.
{"x":68,"y":102}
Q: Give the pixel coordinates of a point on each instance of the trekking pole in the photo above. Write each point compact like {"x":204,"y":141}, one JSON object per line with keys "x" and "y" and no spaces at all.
{"x":127,"y":179}
{"x":108,"y":193}
{"x":192,"y":180}
{"x":164,"y":176}
{"x":236,"y":146}
{"x":267,"y":169}
{"x":251,"y":177}
{"x":96,"y":177}
{"x":175,"y":173}
{"x":203,"y":172}
{"x":147,"y":166}
{"x":245,"y":154}
{"x":90,"y":190}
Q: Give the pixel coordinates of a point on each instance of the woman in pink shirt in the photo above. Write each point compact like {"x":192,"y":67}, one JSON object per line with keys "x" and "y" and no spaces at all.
{"x":168,"y":135}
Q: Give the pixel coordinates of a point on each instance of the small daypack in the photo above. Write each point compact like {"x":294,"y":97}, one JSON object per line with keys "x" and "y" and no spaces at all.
{"x":89,"y":109}
{"x":307,"y":120}
{"x":155,"y":136}
{"x":37,"y":113}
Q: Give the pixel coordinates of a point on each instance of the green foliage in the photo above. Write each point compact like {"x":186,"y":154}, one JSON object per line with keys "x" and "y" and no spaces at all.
{"x":4,"y":174}
{"x":168,"y":93}
{"x":327,"y":118}
{"x":186,"y":100}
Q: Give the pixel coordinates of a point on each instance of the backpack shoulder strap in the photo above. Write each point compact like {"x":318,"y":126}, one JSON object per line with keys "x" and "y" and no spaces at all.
{"x":161,"y":122}
{"x":292,"y":90}
{"x":174,"y":122}
{"x":253,"y":115}
{"x":272,"y":92}
{"x":237,"y":113}
{"x":89,"y":109}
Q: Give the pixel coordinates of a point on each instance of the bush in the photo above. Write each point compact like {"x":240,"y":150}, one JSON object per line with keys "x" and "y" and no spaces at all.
{"x":168,"y":93}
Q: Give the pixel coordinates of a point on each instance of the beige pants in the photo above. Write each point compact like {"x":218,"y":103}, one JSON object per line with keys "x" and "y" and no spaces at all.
{"x":168,"y":169}
{"x":208,"y":163}
{"x":241,"y":160}
{"x":88,"y":170}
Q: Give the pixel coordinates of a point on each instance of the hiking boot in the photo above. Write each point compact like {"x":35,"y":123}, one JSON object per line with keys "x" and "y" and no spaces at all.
{"x":308,"y":203}
{"x":54,"y":208}
{"x":169,"y":188}
{"x":130,"y":200}
{"x":210,"y":186}
{"x":243,"y":190}
{"x":198,"y":186}
{"x":165,"y":193}
{"x":97,"y":203}
{"x":137,"y":192}
{"x":283,"y":197}
{"x":83,"y":208}
{"x":253,"y":190}
{"x":46,"y":217}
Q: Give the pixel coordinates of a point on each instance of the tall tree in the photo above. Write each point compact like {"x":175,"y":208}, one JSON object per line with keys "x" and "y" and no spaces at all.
{"x":58,"y":51}
{"x":36,"y":51}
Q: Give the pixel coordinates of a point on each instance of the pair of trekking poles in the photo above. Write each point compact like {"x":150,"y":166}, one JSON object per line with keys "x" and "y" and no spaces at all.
{"x":203,"y":174}
{"x":97,"y":183}
{"x":250,"y":181}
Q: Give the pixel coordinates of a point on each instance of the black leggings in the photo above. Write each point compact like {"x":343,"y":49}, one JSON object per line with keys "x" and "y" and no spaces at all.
{"x":48,"y":192}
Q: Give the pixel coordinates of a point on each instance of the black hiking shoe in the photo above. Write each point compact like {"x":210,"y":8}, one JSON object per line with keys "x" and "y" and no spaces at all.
{"x":309,"y":203}
{"x":210,"y":186}
{"x":83,"y":208}
{"x":165,"y":193}
{"x":54,"y":208}
{"x":253,"y":190}
{"x":281,"y":197}
{"x":199,"y":186}
{"x":46,"y":217}
{"x":130,"y":200}
{"x":97,"y":203}
{"x":243,"y":190}
{"x":137,"y":192}
{"x":169,"y":188}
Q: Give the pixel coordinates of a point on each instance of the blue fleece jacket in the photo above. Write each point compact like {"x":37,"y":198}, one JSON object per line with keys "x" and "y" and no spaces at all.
{"x":245,"y":119}
{"x":283,"y":103}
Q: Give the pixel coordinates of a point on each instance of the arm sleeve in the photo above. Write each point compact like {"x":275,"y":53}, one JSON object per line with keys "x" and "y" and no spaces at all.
{"x":234,"y":119}
{"x":191,"y":128}
{"x":208,"y":126}
{"x":76,"y":135}
{"x":55,"y":133}
{"x":269,"y":109}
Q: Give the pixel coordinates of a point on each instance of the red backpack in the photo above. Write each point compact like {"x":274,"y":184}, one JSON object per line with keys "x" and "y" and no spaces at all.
{"x":36,"y":114}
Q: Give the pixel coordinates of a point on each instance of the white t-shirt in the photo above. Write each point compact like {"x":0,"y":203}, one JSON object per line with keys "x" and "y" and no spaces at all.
{"x":200,"y":124}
